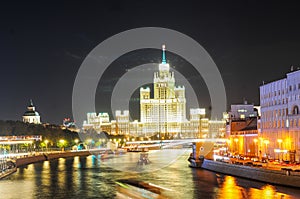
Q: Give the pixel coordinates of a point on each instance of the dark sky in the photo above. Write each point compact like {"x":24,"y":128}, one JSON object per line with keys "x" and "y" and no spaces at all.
{"x":42,"y":45}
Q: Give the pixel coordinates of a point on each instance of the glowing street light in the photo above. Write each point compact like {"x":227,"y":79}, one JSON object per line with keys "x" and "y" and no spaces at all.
{"x":256,"y":148}
{"x":46,"y":142}
{"x":228,"y":142}
{"x":62,"y":143}
{"x":236,"y":144}
{"x":266,"y":142}
{"x":279,"y":146}
{"x":76,"y":141}
{"x":279,"y":142}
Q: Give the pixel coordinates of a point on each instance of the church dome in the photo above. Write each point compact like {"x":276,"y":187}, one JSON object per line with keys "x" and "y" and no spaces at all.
{"x":31,"y":113}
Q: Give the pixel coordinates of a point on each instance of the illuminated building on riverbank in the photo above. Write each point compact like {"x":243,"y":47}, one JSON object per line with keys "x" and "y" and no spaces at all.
{"x":166,"y":112}
{"x":280,"y":118}
{"x":242,"y":129}
{"x":163,"y":116}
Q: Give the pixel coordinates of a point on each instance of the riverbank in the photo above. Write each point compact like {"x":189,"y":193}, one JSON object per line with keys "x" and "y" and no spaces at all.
{"x":285,"y":177}
{"x":7,"y":172}
{"x":44,"y":156}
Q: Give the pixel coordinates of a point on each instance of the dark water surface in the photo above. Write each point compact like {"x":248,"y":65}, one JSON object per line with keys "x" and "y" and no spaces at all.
{"x":89,"y":177}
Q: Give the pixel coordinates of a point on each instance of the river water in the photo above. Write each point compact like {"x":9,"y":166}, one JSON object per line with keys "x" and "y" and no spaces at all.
{"x":90,"y":177}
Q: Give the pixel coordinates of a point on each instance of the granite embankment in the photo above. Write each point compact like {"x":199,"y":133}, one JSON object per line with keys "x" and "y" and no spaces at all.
{"x":49,"y":156}
{"x":39,"y":157}
{"x":286,"y":177}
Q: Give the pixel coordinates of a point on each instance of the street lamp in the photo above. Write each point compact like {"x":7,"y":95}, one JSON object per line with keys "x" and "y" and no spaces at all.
{"x":279,"y":145}
{"x":46,"y":142}
{"x":76,"y":141}
{"x":266,"y":143}
{"x":236,"y":141}
{"x":62,"y":143}
{"x":228,"y":141}
{"x":255,"y":141}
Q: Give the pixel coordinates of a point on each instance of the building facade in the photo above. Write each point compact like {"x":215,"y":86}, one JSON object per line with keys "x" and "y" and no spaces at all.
{"x":280,"y":118}
{"x":31,"y":115}
{"x":161,"y":117}
{"x":242,"y":129}
{"x":165,"y":113}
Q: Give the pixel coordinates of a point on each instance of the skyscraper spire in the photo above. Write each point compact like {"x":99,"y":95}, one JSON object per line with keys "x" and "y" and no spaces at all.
{"x":163,"y":61}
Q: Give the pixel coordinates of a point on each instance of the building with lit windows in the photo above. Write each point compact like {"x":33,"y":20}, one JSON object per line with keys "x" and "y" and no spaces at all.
{"x":161,"y":117}
{"x":166,"y":112}
{"x":98,"y":122}
{"x":280,"y":118}
{"x":242,"y":129}
{"x":31,"y":115}
{"x":198,"y":125}
{"x":216,"y":128}
{"x":122,"y":122}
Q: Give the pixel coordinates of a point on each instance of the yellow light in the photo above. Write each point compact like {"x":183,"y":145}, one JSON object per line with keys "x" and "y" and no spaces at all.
{"x":255,"y":140}
{"x":266,"y":141}
{"x":46,"y":141}
{"x":76,"y":141}
{"x":236,"y":139}
{"x":62,"y":141}
{"x":279,"y":140}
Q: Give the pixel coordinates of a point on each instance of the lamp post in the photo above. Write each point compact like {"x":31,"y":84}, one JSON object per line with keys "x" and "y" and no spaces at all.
{"x":255,"y":148}
{"x":279,"y":146}
{"x":236,"y":145}
{"x":228,"y":141}
{"x":46,"y":142}
{"x":76,"y":141}
{"x":62,"y":144}
{"x":266,"y":149}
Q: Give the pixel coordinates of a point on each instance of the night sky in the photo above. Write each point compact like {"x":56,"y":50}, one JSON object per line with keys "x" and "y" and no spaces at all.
{"x":42,"y":46}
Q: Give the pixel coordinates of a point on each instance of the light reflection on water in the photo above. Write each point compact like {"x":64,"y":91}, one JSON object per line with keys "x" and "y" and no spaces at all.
{"x":88,"y":177}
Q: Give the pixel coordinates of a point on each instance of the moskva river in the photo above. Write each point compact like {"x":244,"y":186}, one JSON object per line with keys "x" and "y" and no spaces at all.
{"x":92,"y":177}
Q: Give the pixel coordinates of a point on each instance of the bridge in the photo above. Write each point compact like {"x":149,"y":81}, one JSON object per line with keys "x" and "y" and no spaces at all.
{"x":171,"y":143}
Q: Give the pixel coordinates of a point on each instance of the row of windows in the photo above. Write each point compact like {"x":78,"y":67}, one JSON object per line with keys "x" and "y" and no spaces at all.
{"x":281,"y":124}
{"x":280,"y":112}
{"x":281,"y":92}
{"x":266,"y":102}
{"x":275,"y":113}
{"x":293,"y":87}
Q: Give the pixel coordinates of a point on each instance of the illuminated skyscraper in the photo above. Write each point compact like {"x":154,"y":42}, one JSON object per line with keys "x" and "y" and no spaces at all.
{"x":161,"y":117}
{"x":166,"y":112}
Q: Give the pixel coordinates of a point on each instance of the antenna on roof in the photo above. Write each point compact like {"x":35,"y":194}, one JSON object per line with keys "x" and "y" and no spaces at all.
{"x":292,"y":68}
{"x":164,"y":61}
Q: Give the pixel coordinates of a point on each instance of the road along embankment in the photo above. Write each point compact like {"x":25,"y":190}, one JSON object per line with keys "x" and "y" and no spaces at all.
{"x":278,"y":177}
